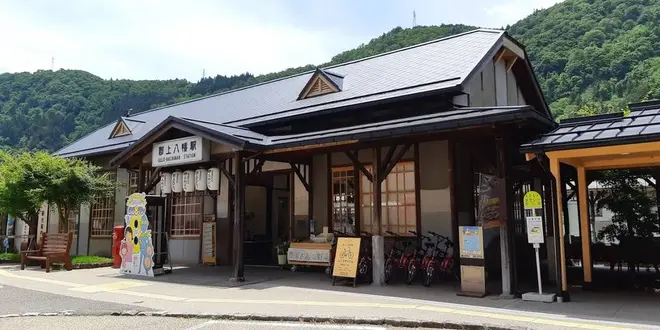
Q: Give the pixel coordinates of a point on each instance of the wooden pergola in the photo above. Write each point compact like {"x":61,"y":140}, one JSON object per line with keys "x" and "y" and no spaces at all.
{"x":596,"y":143}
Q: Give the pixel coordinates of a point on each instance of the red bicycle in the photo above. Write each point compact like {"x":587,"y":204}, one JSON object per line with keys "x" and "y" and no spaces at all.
{"x":421,"y":253}
{"x":398,"y":258}
{"x":440,"y":262}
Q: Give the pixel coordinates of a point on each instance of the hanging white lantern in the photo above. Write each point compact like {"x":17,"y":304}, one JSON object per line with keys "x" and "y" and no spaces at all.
{"x":189,"y":181}
{"x":200,"y":179}
{"x":177,"y":181}
{"x":213,"y":178}
{"x":166,"y":183}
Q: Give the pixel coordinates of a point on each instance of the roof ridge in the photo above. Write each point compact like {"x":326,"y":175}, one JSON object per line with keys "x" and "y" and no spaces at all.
{"x":217,"y":124}
{"x":320,"y":67}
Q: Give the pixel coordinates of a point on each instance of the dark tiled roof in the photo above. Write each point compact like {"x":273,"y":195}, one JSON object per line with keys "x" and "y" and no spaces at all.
{"x":439,"y":65}
{"x":432,"y":123}
{"x":641,"y":125}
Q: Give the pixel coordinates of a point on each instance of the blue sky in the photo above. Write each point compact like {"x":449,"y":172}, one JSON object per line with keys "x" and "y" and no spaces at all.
{"x":163,"y":39}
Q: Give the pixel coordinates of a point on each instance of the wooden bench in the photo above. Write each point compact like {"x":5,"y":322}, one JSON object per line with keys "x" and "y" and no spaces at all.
{"x":54,"y":248}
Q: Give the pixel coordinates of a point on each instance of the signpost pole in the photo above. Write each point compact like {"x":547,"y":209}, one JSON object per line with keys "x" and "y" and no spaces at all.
{"x":533,"y":205}
{"x":538,"y":267}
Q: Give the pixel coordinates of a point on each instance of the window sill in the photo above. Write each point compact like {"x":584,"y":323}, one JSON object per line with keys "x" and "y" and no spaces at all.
{"x":184,"y":236}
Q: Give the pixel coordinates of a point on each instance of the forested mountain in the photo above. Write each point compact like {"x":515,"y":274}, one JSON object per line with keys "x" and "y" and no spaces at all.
{"x":591,"y":56}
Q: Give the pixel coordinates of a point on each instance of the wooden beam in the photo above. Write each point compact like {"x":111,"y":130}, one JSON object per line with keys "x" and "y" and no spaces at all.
{"x":499,"y":55}
{"x":155,"y":178}
{"x":510,"y":62}
{"x":296,"y":170}
{"x":585,"y":236}
{"x":388,"y":156}
{"x":393,"y":162}
{"x":310,"y":147}
{"x":618,"y":150}
{"x":230,"y":177}
{"x":356,"y":162}
{"x":622,"y":162}
{"x":555,"y":169}
{"x":259,"y":165}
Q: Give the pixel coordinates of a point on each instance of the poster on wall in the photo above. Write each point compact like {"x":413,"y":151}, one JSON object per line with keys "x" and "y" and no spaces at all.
{"x":488,"y":201}
{"x":136,"y":248}
{"x":471,"y":242}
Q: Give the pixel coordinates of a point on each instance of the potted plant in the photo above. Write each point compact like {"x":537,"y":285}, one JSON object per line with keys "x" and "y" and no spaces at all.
{"x":281,"y":252}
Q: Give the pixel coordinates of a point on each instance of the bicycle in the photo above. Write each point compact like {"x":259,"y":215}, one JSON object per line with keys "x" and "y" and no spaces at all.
{"x":365,"y":264}
{"x":398,"y":258}
{"x":421,"y":252}
{"x":441,"y":261}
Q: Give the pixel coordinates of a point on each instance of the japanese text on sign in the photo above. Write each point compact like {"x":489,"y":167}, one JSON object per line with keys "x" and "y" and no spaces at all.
{"x":346,"y":257}
{"x":534,"y":230}
{"x":179,"y":151}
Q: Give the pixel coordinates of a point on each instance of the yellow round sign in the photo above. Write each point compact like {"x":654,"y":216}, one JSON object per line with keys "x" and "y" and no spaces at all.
{"x":532,"y":200}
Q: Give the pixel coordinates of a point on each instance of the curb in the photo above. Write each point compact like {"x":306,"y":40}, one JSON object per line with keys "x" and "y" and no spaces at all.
{"x":403,"y":323}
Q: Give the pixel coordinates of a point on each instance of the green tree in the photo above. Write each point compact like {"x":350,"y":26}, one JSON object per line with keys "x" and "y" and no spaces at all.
{"x":20,"y":188}
{"x":29,"y":179}
{"x":71,"y":182}
{"x":631,"y":205}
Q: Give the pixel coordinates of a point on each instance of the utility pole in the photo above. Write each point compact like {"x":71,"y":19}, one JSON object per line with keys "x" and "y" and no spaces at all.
{"x":414,"y":19}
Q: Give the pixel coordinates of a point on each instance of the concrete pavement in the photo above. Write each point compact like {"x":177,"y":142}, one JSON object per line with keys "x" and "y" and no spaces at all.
{"x":111,"y":322}
{"x":290,"y":296}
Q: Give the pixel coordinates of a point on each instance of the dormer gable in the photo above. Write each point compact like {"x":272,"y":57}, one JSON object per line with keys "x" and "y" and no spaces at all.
{"x":320,"y":83}
{"x":120,"y":129}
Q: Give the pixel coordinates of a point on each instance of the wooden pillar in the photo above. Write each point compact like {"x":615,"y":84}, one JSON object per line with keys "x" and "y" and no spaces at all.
{"x":310,"y":196}
{"x":505,"y":246}
{"x":376,"y":189}
{"x":378,"y":242}
{"x":239,"y":215}
{"x":141,"y":177}
{"x":585,"y":235}
{"x":555,"y":169}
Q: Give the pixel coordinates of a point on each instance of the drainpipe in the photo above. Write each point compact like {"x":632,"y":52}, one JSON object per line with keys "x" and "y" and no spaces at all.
{"x":555,"y":225}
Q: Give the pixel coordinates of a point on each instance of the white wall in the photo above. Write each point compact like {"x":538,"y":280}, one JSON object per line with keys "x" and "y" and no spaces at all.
{"x":435,"y":192}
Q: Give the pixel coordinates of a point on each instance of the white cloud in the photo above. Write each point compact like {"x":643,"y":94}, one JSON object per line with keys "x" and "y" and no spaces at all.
{"x":160,"y":39}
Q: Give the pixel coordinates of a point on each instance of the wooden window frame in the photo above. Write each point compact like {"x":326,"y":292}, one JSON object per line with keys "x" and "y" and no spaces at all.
{"x":96,"y":213}
{"x":193,"y":213}
{"x":72,"y":224}
{"x":364,"y":201}
{"x":349,"y":175}
{"x":408,"y":201}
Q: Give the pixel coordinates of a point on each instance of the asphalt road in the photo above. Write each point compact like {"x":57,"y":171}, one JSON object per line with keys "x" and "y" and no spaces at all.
{"x":18,"y":301}
{"x":132,"y":322}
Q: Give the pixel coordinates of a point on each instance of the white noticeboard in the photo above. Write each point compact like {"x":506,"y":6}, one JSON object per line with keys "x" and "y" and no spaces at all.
{"x":186,"y":150}
{"x":534,"y":230}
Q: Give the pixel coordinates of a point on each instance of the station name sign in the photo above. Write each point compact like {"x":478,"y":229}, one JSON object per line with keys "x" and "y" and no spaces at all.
{"x":180,"y":151}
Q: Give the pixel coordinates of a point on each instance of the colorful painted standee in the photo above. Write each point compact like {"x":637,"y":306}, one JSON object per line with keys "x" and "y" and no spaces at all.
{"x":136,"y":248}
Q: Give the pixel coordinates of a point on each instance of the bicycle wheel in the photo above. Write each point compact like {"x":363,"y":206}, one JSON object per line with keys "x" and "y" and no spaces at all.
{"x":389,"y":268}
{"x":363,"y":268}
{"x":429,"y":274}
{"x":411,"y":272}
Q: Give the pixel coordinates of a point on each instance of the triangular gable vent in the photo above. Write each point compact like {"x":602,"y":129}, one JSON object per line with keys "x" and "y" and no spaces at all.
{"x":319,"y":84}
{"x":120,"y":129}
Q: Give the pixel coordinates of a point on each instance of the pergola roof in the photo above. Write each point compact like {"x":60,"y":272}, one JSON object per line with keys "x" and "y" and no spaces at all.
{"x":641,"y":125}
